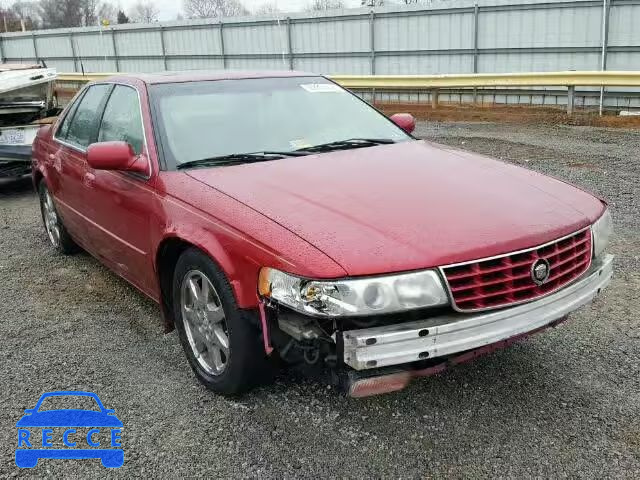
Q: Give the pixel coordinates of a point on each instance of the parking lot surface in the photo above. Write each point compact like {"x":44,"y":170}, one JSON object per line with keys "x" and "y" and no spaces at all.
{"x":563,"y":403}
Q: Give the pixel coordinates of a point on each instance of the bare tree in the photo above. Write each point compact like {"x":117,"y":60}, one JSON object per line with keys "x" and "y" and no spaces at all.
{"x":270,"y":8}
{"x":8,"y":21}
{"x":26,"y":13}
{"x":376,"y":3}
{"x":72,"y":13}
{"x":144,"y":11}
{"x":319,"y":5}
{"x":20,"y":16}
{"x":25,"y":8}
{"x":61,"y":13}
{"x":107,"y":11}
{"x":89,"y":12}
{"x":213,"y":8}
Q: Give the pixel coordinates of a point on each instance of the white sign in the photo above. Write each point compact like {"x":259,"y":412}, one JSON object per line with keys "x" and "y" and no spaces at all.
{"x":12,"y":136}
{"x":321,"y":88}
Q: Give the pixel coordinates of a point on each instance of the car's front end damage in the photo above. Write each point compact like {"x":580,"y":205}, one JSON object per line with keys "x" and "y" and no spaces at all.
{"x":373,"y":335}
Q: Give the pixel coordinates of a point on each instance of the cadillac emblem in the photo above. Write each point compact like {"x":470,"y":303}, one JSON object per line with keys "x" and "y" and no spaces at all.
{"x":540,"y":271}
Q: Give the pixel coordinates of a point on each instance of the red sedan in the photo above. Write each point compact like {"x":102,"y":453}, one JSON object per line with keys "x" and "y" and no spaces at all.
{"x":276,"y":215}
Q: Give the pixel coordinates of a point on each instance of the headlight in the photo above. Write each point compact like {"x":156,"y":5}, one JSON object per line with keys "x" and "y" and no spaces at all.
{"x":602,"y":231}
{"x":363,"y":296}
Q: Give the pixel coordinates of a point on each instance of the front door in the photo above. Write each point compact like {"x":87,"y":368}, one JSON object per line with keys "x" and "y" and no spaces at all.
{"x":121,"y":202}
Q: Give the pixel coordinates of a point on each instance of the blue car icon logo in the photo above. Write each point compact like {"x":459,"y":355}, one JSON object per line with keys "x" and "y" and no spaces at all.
{"x":69,"y":433}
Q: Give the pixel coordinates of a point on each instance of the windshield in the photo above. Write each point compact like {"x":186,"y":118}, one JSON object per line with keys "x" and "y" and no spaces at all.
{"x":198,"y":120}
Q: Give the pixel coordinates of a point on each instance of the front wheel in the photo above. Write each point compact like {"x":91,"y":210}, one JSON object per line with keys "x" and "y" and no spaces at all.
{"x":219,"y":340}
{"x":57,"y":233}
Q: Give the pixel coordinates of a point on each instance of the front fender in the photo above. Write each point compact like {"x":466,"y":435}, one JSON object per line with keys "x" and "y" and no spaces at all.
{"x":235,"y":236}
{"x":241,"y":272}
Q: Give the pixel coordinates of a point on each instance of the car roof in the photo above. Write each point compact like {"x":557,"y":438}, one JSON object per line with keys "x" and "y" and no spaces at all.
{"x":205,"y":75}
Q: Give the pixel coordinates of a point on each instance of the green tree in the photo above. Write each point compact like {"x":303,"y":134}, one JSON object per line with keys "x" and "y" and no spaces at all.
{"x":122,"y":17}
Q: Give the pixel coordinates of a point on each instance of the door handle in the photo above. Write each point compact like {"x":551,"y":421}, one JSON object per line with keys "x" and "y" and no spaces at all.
{"x":89,"y":178}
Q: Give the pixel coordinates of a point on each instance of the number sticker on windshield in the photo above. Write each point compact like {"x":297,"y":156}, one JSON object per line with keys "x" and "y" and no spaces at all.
{"x":299,"y":143}
{"x":321,"y":87}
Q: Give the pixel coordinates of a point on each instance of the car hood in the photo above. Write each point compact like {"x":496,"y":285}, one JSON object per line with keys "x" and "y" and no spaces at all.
{"x":407,"y":206}
{"x":69,"y":418}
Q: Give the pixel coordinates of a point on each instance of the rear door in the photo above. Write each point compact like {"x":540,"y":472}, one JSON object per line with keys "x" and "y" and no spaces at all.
{"x":69,"y":160}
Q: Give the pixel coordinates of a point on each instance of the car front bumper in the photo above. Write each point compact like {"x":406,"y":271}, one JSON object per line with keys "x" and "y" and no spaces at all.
{"x":458,"y":332}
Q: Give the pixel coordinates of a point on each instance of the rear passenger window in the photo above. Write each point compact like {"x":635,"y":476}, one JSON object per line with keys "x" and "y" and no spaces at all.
{"x":83,"y":127}
{"x":122,"y":120}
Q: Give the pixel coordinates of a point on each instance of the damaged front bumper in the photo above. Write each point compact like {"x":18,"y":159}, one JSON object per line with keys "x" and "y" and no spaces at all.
{"x":451,"y":334}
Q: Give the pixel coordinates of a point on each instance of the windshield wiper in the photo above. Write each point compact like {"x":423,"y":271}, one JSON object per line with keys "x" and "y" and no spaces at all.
{"x":345,"y":144}
{"x":235,"y":158}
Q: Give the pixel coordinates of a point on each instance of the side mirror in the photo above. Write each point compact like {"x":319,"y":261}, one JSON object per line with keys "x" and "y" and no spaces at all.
{"x":116,"y":156}
{"x":405,"y":121}
{"x":29,"y":411}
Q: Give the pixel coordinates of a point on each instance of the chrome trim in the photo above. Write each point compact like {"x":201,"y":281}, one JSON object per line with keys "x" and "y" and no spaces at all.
{"x":455,"y":332}
{"x":71,"y":146}
{"x":144,"y":128}
{"x":486,"y":309}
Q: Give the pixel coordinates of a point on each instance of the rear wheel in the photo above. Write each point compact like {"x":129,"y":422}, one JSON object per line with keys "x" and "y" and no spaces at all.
{"x":57,"y":233}
{"x":222,"y":345}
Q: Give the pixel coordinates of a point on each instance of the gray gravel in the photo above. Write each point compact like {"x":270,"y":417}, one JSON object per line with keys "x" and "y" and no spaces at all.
{"x":564,"y":403}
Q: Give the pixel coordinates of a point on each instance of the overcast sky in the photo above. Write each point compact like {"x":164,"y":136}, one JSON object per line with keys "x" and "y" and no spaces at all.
{"x":169,"y":9}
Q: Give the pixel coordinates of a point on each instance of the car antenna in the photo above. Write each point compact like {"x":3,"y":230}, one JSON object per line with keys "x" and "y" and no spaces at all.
{"x":79,"y":58}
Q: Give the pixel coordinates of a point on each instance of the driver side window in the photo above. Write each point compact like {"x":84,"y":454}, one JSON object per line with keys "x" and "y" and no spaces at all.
{"x":122,"y":120}
{"x":80,"y":130}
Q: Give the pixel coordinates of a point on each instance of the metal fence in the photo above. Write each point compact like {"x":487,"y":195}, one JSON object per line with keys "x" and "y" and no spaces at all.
{"x":487,"y":36}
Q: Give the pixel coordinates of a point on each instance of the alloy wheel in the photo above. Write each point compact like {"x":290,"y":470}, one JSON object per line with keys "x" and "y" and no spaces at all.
{"x":204,"y":322}
{"x":51,"y":219}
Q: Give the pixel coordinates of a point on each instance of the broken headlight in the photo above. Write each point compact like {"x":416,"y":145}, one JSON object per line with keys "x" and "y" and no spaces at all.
{"x":354,"y":297}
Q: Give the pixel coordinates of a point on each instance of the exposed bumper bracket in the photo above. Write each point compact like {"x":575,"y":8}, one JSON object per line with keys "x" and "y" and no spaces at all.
{"x":458,"y":332}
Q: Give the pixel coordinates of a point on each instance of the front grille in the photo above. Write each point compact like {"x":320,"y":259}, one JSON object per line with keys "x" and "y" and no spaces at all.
{"x":508,"y":280}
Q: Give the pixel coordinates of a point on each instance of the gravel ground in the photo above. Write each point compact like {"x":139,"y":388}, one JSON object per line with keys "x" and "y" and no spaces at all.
{"x":565,"y":403}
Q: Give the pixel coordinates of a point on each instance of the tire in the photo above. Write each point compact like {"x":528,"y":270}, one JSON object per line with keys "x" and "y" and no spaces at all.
{"x":203,"y":326}
{"x":53,"y":226}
